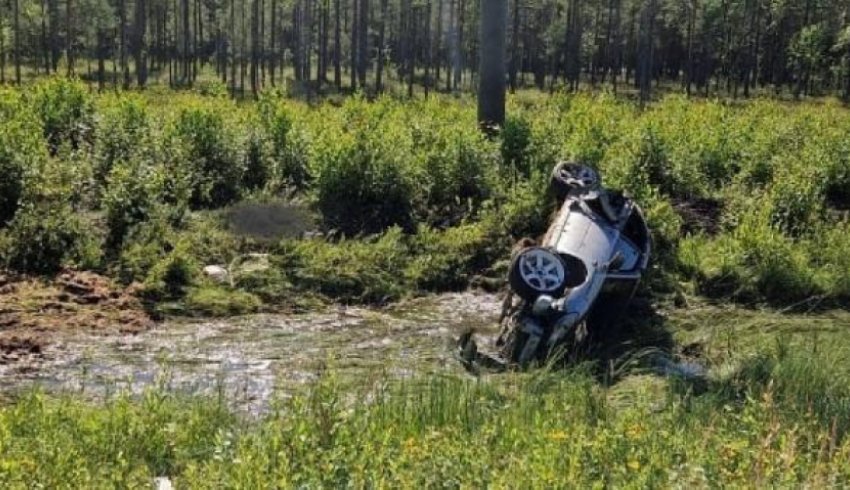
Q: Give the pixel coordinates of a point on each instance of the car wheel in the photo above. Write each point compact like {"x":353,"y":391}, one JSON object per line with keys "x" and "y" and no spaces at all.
{"x":536,"y":271}
{"x":570,"y":176}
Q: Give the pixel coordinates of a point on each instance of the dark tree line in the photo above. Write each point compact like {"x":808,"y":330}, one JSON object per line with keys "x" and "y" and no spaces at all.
{"x":702,"y":46}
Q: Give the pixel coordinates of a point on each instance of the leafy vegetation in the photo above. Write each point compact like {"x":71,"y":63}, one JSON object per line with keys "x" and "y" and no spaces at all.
{"x":778,"y":419}
{"x":410,"y":196}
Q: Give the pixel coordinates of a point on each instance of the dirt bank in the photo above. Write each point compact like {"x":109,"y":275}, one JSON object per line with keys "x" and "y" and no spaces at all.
{"x":33,"y":309}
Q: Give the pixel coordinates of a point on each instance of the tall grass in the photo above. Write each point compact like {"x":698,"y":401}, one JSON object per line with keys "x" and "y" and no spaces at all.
{"x":778,"y":420}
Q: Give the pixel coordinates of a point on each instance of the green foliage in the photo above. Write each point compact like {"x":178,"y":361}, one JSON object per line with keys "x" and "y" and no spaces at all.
{"x":66,"y":110}
{"x":212,"y":301}
{"x":171,"y":277}
{"x":351,"y":270}
{"x":131,"y":193}
{"x":44,"y":238}
{"x":21,"y":148}
{"x":213,"y":156}
{"x":361,"y":186}
{"x":289,"y":149}
{"x":767,"y":420}
{"x":516,"y":139}
{"x":121,"y":133}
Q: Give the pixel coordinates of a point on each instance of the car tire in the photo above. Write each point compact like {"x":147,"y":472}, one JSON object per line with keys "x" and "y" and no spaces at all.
{"x":562,"y":185}
{"x":536,"y":271}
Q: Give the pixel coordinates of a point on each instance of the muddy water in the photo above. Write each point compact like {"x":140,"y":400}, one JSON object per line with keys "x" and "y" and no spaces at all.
{"x":253,"y":358}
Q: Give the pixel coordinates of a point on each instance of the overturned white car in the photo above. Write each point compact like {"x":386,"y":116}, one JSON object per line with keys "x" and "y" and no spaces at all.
{"x":586,"y":268}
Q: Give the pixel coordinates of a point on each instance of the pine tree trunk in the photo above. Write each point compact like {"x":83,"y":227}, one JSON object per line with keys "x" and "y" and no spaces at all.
{"x":382,"y":32}
{"x":255,"y":47}
{"x":491,"y":87}
{"x":438,"y":48}
{"x":411,"y":50}
{"x":2,"y":51}
{"x":354,"y":42}
{"x":17,"y":26}
{"x":45,"y":44}
{"x":273,"y":44}
{"x":326,"y":23}
{"x":645,"y":51}
{"x":337,"y":45}
{"x":428,"y":48}
{"x":363,"y":43}
{"x":70,"y":34}
{"x":139,"y":47}
{"x":515,"y":61}
{"x":232,"y":44}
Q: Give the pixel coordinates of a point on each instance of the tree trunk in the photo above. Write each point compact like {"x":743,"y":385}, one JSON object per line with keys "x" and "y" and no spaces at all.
{"x":185,"y":60}
{"x":326,"y":23}
{"x":2,"y":50}
{"x":255,"y":47}
{"x":17,"y":24}
{"x":451,"y":45}
{"x":337,"y":45}
{"x":273,"y":43}
{"x":689,"y":77}
{"x":428,"y":48}
{"x":411,"y":49}
{"x":515,"y":61}
{"x":45,"y":43}
{"x":354,"y":43}
{"x":438,"y":48}
{"x":232,"y":42}
{"x":363,"y":42}
{"x":382,"y":39}
{"x":139,"y":46}
{"x":647,"y":22}
{"x":70,"y":34}
{"x":491,"y":87}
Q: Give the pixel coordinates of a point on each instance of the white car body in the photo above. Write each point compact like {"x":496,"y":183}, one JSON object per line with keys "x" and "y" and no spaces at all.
{"x":603,"y":242}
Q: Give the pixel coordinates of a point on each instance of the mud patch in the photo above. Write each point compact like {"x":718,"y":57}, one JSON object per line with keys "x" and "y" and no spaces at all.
{"x":699,"y":215}
{"x":33,"y":310}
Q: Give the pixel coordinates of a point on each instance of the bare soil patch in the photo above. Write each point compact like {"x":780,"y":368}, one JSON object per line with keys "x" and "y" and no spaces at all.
{"x":33,"y":310}
{"x":699,"y":215}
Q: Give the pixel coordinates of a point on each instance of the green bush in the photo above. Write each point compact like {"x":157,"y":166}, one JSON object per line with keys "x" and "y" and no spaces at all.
{"x":289,"y":148}
{"x":213,"y":154}
{"x":369,"y":271}
{"x":43,"y":239}
{"x":218,"y":301}
{"x":66,"y":110}
{"x":21,"y":149}
{"x":171,"y":277}
{"x":362,"y":187}
{"x":131,"y":194}
{"x":448,"y":260}
{"x":122,"y":134}
{"x":516,"y":139}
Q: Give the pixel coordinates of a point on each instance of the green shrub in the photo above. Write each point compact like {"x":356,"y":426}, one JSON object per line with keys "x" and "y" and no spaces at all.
{"x":213,"y":154}
{"x":130,"y":197}
{"x":351,"y":270}
{"x":289,"y":148}
{"x":66,"y":111}
{"x":447,"y":260}
{"x":171,"y":277}
{"x":218,"y":301}
{"x":362,"y":188}
{"x":144,"y":246}
{"x":516,"y":139}
{"x":121,"y":135}
{"x":21,"y":148}
{"x":45,"y":238}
